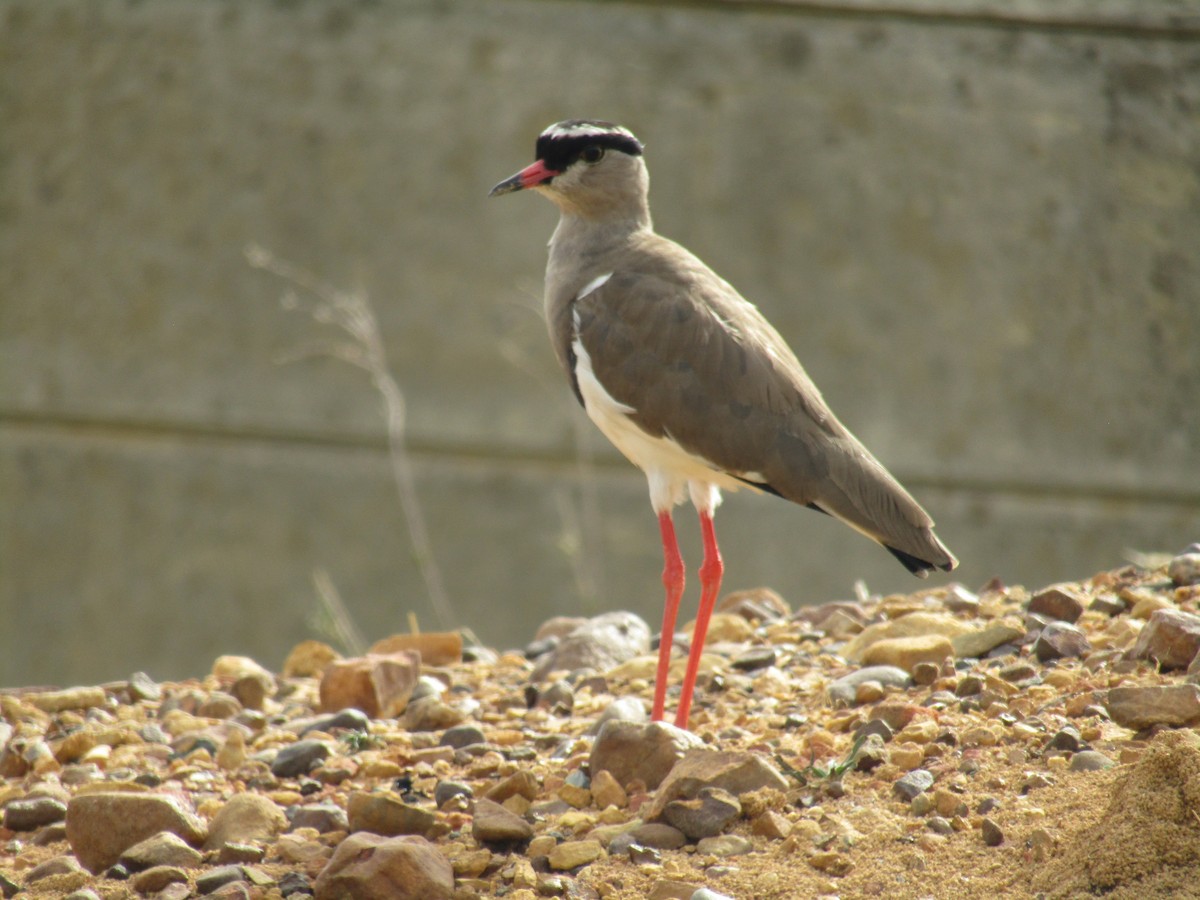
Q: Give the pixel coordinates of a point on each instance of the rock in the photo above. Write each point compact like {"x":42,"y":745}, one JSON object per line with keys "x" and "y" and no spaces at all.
{"x":600,"y":644}
{"x":294,"y":884}
{"x":913,"y":624}
{"x":624,"y":709}
{"x":724,"y":627}
{"x":71,"y":698}
{"x":57,"y":865}
{"x":435,"y":648}
{"x":103,"y":825}
{"x":906,"y":652}
{"x":573,"y":854}
{"x":495,"y":824}
{"x":704,"y":815}
{"x":230,"y":669}
{"x":913,"y":783}
{"x":1090,"y":761}
{"x":991,"y":833}
{"x":607,"y":791}
{"x":384,"y":813}
{"x":1171,"y":638}
{"x":430,"y":714}
{"x":978,"y":644}
{"x":308,"y":659}
{"x":219,"y":705}
{"x":771,"y":824}
{"x":153,"y":880}
{"x":217,"y":878}
{"x":522,"y":782}
{"x":735,"y":771}
{"x":1107,"y":604}
{"x":707,"y":894}
{"x":462,"y":736}
{"x":1146,"y":605}
{"x":245,"y":818}
{"x":1184,"y":569}
{"x":370,"y":867}
{"x":322,"y":817}
{"x":1058,"y":602}
{"x":671,"y":889}
{"x":844,"y":689}
{"x":725,"y":845}
{"x":299,"y":758}
{"x":629,"y":750}
{"x":33,"y":812}
{"x":659,"y":836}
{"x":448,"y":790}
{"x":378,"y":685}
{"x":1060,"y":640}
{"x":242,"y":854}
{"x":755,"y":605}
{"x":142,"y":687}
{"x":162,"y":849}
{"x":558,"y":627}
{"x":348,"y":719}
{"x":1142,"y":707}
{"x":755,"y":658}
{"x":1066,"y":738}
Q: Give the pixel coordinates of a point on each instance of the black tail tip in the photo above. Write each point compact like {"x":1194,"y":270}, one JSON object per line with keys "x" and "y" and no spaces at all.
{"x":920,"y":567}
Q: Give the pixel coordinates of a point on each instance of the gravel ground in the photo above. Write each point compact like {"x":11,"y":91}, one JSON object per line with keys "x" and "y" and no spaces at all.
{"x":945,"y":743}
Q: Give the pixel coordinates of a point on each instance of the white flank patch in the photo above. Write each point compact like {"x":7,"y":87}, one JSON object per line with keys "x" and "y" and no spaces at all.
{"x":595,"y":284}
{"x":672,"y":472}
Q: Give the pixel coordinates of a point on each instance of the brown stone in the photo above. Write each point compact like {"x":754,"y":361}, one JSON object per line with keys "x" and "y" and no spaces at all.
{"x":103,"y":825}
{"x":437,"y":648}
{"x":371,"y":867}
{"x":632,"y":750}
{"x":1171,"y":638}
{"x":378,"y":685}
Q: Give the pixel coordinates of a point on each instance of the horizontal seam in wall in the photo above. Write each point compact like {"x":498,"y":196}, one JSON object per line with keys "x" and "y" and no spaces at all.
{"x":507,"y":454}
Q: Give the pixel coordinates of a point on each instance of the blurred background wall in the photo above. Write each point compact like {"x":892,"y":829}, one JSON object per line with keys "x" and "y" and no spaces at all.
{"x":977,"y":224}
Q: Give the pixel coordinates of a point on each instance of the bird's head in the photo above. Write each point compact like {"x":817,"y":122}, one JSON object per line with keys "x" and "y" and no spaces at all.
{"x":587,"y":168}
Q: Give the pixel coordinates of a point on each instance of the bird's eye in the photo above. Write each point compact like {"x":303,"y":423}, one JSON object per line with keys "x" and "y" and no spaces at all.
{"x":592,"y":154}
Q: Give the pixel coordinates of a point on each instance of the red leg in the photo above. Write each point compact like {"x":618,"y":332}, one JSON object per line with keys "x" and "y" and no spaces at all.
{"x":673,"y":579}
{"x":710,"y":584}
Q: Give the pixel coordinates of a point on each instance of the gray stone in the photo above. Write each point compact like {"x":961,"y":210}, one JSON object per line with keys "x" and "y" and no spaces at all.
{"x":991,"y":833}
{"x":324,"y":817}
{"x":704,"y":815}
{"x":1090,"y":761}
{"x":1060,"y":640}
{"x":842,"y":690}
{"x":601,"y":643}
{"x":33,"y":812}
{"x":913,"y":783}
{"x":218,"y":877}
{"x":1184,"y":569}
{"x":462,"y":736}
{"x":447,"y":789}
{"x":709,"y":894}
{"x":659,"y":835}
{"x":299,"y":758}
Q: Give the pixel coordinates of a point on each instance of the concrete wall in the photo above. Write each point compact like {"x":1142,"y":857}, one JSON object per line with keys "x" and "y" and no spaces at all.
{"x":979,"y":230}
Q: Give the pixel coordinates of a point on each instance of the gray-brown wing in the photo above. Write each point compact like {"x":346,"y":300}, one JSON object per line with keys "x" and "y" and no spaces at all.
{"x":695,"y":361}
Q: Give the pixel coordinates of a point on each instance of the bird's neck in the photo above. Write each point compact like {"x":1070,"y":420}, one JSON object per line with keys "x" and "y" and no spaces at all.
{"x":579,"y":239}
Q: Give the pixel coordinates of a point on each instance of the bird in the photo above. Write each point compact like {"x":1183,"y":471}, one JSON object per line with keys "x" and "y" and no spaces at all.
{"x":689,"y":380}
